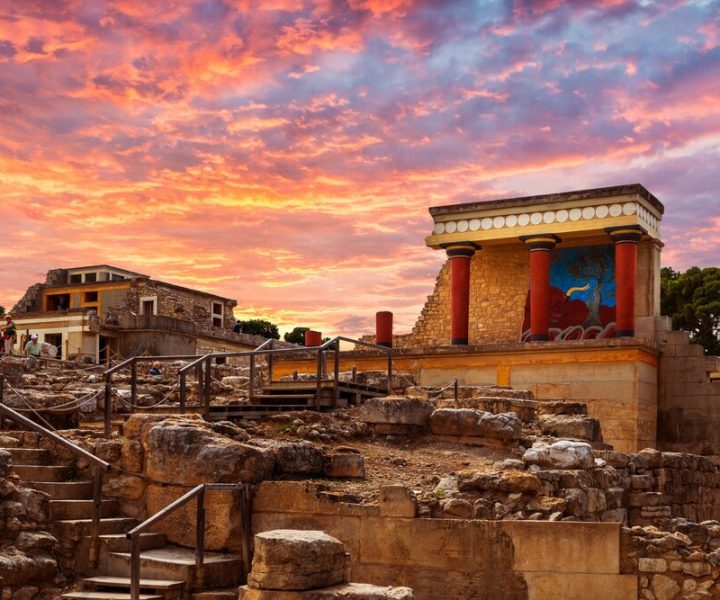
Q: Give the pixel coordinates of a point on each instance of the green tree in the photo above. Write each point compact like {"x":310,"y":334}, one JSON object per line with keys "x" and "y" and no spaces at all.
{"x":692,"y":300}
{"x":296,"y":336}
{"x":260,"y":327}
{"x":2,"y":311}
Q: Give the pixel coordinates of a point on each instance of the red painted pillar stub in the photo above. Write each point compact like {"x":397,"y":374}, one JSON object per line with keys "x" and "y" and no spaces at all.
{"x":459,"y":256}
{"x":626,"y":243}
{"x":313,"y":338}
{"x":384,"y":328}
{"x":540,"y":247}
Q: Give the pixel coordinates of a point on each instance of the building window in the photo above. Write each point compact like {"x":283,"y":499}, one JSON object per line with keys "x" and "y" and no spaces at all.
{"x":90,"y":277}
{"x":217,"y":314}
{"x":115,"y":277}
{"x":148,"y":305}
{"x":57,"y":302}
{"x":76,"y":278}
{"x":90,"y":297}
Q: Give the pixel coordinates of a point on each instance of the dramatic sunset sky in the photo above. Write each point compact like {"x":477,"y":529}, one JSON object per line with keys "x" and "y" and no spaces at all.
{"x":284,"y":152}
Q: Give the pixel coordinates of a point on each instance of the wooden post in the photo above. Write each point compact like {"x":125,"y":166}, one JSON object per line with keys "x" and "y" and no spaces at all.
{"x":251,"y":385}
{"x":208,"y":384}
{"x":319,"y":375}
{"x":200,"y":542}
{"x":336,"y":375}
{"x":108,"y":405}
{"x":133,"y":384}
{"x":183,"y":391}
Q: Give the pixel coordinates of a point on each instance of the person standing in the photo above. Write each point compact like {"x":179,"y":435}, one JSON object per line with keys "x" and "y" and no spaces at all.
{"x":8,"y":334}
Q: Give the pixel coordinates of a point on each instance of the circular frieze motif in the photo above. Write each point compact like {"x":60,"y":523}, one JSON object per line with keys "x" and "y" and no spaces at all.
{"x":486,"y":223}
{"x":629,"y":208}
{"x":523,"y":220}
{"x":511,"y":220}
{"x":474,"y":224}
{"x":575,"y":214}
{"x":498,"y":222}
{"x":588,"y":212}
{"x":601,"y":212}
{"x":536,"y":218}
{"x":549,"y":216}
{"x":561,"y":216}
{"x":462,"y":226}
{"x":615,"y":210}
{"x":450,"y":226}
{"x":439,"y":228}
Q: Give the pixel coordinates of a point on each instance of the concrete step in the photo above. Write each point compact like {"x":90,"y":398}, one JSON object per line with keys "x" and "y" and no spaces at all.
{"x":174,"y":562}
{"x":117,"y":542}
{"x":79,"y":528}
{"x":109,"y":596}
{"x":43,"y":472}
{"x":64,"y":490}
{"x":111,"y":581}
{"x":79,"y":509}
{"x":29,"y":456}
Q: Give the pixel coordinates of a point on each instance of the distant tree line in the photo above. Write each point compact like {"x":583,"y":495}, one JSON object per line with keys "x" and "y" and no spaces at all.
{"x":692,"y":300}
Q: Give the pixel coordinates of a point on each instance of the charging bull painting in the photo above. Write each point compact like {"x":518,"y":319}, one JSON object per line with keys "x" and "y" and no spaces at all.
{"x":582,"y":294}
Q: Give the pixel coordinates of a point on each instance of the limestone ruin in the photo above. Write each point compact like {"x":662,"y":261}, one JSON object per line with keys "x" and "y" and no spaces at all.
{"x":458,"y":462}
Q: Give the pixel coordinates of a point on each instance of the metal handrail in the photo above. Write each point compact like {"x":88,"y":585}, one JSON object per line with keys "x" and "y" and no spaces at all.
{"x":99,"y":466}
{"x":197,"y":492}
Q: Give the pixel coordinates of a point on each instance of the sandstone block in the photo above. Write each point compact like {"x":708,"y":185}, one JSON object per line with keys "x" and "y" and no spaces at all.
{"x":396,"y":410}
{"x":477,"y":423}
{"x":397,"y":501}
{"x":562,"y":408}
{"x":344,"y":464}
{"x":345,"y":591}
{"x":664,"y":587}
{"x":563,"y":454}
{"x":652,"y":565}
{"x":506,"y":481}
{"x":571,"y":426}
{"x":290,"y":559}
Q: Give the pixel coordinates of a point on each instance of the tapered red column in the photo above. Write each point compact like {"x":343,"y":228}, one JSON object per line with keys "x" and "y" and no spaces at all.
{"x":459,"y":256}
{"x":626,"y":244}
{"x":384,"y":328}
{"x":540,"y":247}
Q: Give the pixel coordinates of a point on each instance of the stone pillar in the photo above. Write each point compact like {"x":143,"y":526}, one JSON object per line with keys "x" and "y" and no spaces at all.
{"x":384,"y":328}
{"x":313,"y":338}
{"x":459,"y":256}
{"x":626,"y":248}
{"x":540,"y":247}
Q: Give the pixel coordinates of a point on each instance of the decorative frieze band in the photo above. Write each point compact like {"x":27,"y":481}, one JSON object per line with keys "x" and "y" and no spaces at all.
{"x":548,"y":217}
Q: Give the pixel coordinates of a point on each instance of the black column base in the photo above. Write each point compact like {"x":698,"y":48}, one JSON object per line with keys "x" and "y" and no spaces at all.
{"x":539,"y":337}
{"x":459,"y":342}
{"x":386,"y":344}
{"x":625,"y":333}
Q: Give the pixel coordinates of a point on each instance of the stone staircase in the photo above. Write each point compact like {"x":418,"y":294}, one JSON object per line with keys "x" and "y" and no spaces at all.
{"x":167,"y":571}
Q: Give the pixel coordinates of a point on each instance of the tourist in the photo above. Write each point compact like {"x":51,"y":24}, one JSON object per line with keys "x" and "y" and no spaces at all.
{"x":33,"y":347}
{"x":238,"y":327}
{"x":9,"y":334}
{"x":156,"y":369}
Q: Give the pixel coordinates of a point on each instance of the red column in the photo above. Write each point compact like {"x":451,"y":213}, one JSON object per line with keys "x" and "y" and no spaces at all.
{"x":626,"y":242}
{"x":313,"y":338}
{"x":540,"y":247}
{"x":459,"y":256}
{"x":384,"y":328}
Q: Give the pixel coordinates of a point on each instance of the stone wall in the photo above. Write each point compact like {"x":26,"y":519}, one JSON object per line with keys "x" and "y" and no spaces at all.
{"x":688,"y":401}
{"x":454,"y":559}
{"x":499,"y":278}
{"x":180,"y":303}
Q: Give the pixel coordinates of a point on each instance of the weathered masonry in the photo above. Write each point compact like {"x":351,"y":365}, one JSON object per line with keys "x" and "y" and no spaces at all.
{"x":96,"y":311}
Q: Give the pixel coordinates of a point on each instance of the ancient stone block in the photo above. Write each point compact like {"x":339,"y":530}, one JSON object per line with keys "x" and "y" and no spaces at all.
{"x":397,"y":501}
{"x":476,"y":423}
{"x":344,"y":464}
{"x":571,"y":426}
{"x":506,"y":481}
{"x":289,"y":559}
{"x":396,"y":410}
{"x":563,"y":454}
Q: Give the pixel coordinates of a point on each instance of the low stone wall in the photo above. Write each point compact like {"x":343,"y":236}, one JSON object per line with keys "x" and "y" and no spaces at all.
{"x":454,"y":559}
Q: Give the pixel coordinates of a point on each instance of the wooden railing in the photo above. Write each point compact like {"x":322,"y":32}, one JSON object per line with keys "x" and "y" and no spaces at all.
{"x":198,"y":492}
{"x":99,"y":466}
